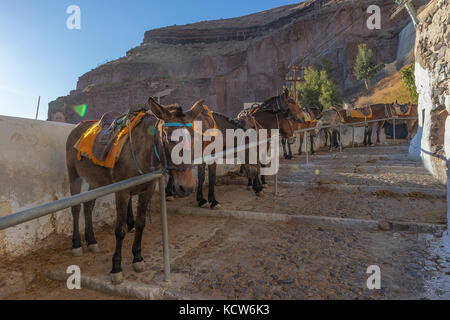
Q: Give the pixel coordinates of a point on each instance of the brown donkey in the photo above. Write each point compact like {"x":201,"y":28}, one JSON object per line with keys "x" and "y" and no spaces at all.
{"x":310,"y":116}
{"x":358,"y":117}
{"x":276,"y":113}
{"x":400,"y":112}
{"x":150,"y":143}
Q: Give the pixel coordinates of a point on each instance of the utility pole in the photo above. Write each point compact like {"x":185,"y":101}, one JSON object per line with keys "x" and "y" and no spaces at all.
{"x":37,"y":110}
{"x":408,"y":5}
{"x":294,"y":78}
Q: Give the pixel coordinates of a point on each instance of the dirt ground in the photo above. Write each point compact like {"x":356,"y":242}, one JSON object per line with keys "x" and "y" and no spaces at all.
{"x":248,"y":259}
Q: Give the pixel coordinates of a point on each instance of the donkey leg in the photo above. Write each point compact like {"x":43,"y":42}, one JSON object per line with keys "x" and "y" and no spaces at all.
{"x":130,"y":216}
{"x":311,"y":140}
{"x":369,"y":134}
{"x":380,"y":126}
{"x":283,"y":143}
{"x":257,"y":186}
{"x":88,"y":226}
{"x":249,"y":184}
{"x":201,"y":179}
{"x":329,"y":137}
{"x":169,"y":188}
{"x":301,"y":144}
{"x":339,"y":141}
{"x":122,"y":199}
{"x":263,"y":178}
{"x":290,"y":150}
{"x":75,"y":188}
{"x":214,"y":204}
{"x":365,"y":136}
{"x":138,"y":260}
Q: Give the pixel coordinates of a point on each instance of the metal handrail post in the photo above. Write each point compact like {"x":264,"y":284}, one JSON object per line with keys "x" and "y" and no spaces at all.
{"x":305,"y":135}
{"x":165,"y":233}
{"x":393,"y":128}
{"x":353,"y":137}
{"x":275,"y":187}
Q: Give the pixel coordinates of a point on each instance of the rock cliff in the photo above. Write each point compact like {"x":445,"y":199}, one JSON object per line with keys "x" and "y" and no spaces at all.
{"x":232,"y":61}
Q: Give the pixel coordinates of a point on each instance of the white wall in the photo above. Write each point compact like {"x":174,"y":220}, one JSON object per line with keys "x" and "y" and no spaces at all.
{"x":33,"y":172}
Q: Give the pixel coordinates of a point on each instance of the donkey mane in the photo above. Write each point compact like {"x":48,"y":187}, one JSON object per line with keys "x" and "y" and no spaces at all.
{"x":228,"y":119}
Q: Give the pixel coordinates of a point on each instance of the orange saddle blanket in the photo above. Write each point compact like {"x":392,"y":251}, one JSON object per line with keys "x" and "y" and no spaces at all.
{"x":360,"y":113}
{"x":85,"y":144}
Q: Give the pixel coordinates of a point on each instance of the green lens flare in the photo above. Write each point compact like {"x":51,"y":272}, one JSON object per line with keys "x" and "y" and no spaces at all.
{"x":81,"y":110}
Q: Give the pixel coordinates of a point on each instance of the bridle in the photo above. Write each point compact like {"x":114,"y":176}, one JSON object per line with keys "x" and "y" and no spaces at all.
{"x":159,"y":132}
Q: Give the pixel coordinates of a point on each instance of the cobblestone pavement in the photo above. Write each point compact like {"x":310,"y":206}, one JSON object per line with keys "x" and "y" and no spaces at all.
{"x":245,"y":259}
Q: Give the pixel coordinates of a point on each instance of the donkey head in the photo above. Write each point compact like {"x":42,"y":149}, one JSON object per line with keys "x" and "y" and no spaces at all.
{"x":176,"y":130}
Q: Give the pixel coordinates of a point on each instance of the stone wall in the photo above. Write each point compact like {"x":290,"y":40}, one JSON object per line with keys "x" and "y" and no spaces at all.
{"x":432,"y":74}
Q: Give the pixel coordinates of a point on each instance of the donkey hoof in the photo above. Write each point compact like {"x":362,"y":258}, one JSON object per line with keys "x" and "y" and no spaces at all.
{"x":170,"y":198}
{"x":93,"y":248}
{"x":260,"y":194}
{"x":117,"y":278}
{"x":202,"y":203}
{"x":216,"y":206}
{"x":77,"y":252}
{"x":139,"y":266}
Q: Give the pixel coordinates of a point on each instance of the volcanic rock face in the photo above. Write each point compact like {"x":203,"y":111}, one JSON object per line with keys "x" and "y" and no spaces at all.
{"x":232,"y":61}
{"x":432,"y":73}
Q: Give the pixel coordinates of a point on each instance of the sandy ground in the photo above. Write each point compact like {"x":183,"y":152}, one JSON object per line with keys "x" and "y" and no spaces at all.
{"x":244,"y":259}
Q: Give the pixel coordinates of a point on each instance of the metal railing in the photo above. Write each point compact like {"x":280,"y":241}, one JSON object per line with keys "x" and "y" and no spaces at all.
{"x":64,"y":203}
{"x":353,"y":125}
{"x":52,"y":207}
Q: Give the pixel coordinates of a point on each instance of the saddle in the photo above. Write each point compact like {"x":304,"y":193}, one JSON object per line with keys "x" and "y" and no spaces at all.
{"x":103,"y":141}
{"x":361,"y":113}
{"x":111,"y":124}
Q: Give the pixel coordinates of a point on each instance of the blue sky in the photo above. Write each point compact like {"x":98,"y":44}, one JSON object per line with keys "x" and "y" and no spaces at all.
{"x":39,"y":55}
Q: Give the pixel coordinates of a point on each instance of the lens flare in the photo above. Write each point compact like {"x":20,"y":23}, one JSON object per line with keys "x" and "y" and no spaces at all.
{"x":317,"y":172}
{"x":81,"y":109}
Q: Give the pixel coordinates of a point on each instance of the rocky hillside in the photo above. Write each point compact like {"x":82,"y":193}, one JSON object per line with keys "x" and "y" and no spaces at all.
{"x":232,"y":61}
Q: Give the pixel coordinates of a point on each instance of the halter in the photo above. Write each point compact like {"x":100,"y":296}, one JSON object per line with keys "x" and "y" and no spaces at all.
{"x":158,"y":128}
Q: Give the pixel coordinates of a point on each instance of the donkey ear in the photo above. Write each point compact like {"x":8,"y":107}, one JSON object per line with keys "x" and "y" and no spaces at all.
{"x":196,"y":109}
{"x":158,"y":110}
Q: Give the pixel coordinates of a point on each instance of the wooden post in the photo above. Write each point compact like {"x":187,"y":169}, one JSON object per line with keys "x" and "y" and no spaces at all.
{"x":294,"y":79}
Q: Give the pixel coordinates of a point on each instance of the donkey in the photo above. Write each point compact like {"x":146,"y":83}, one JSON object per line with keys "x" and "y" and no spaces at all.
{"x":377,"y":112}
{"x":329,"y":118}
{"x":222,"y":123}
{"x":215,"y":120}
{"x":411,"y":113}
{"x":150,"y":142}
{"x":276,"y":113}
{"x":312,"y":114}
